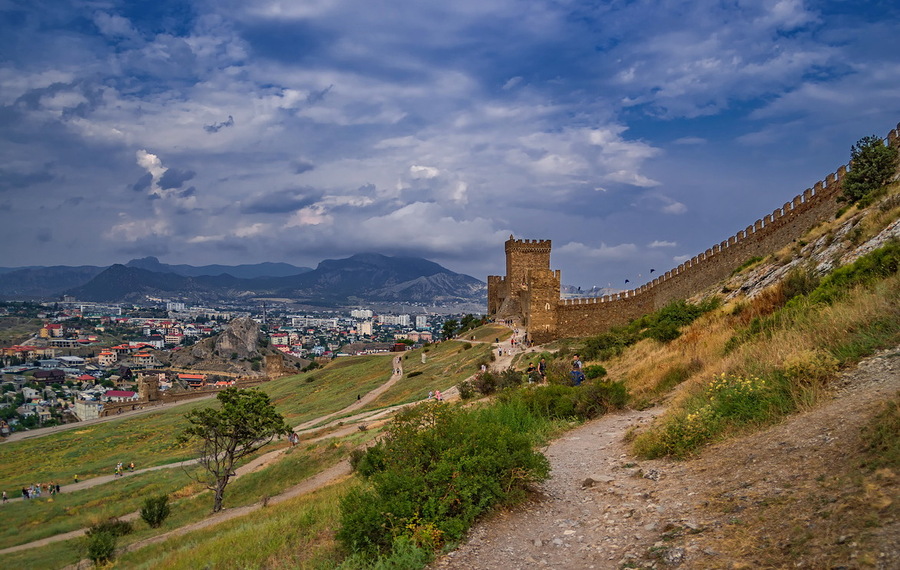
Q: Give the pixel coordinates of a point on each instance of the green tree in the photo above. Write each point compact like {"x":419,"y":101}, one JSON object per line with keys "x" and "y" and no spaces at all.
{"x":246,"y":421}
{"x":449,"y":329}
{"x":872,"y":165}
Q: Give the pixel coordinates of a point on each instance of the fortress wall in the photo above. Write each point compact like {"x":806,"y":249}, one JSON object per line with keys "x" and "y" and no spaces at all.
{"x":582,"y":317}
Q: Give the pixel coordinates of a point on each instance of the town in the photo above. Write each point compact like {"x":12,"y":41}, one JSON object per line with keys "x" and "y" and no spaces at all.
{"x":67,"y":361}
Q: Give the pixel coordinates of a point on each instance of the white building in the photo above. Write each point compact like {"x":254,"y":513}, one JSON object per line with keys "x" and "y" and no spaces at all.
{"x":421,"y":322}
{"x":365,"y":328}
{"x":361,"y":314}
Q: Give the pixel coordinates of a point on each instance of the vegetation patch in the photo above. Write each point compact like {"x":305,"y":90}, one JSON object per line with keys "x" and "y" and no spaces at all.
{"x":435,"y":472}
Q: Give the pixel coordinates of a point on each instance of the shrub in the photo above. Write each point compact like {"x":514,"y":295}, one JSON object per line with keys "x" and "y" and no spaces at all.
{"x":486,"y":382}
{"x":810,"y":367}
{"x":436,"y":470}
{"x":415,"y":373}
{"x":594,"y":371}
{"x":597,"y":398}
{"x":112,"y":526}
{"x":800,"y":281}
{"x":100,"y":547}
{"x":155,"y":510}
{"x":466,"y":390}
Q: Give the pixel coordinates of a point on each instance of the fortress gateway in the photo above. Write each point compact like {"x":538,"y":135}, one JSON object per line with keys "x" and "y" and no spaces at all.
{"x":529,"y":292}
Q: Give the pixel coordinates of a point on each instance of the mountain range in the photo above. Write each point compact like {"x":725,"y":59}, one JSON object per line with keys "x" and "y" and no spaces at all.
{"x":362,"y":277}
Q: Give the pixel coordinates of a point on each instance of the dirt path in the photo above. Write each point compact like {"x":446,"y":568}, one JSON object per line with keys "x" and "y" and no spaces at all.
{"x":751,"y":502}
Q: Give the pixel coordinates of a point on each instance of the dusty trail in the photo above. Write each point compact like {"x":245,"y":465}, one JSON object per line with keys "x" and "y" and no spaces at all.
{"x":604,"y":509}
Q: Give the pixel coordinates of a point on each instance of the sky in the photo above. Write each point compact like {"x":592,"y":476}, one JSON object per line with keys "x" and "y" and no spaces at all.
{"x":633,"y":134}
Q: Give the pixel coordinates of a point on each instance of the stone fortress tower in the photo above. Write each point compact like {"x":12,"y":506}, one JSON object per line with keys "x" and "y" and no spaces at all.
{"x":529,"y":292}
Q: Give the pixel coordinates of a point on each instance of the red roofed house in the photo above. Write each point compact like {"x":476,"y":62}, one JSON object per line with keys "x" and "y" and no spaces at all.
{"x":120,"y":396}
{"x":194,"y":380}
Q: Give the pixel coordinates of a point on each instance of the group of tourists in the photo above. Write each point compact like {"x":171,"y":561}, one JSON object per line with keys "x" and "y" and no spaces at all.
{"x":436,"y":395}
{"x":120,"y":469}
{"x":537,"y":373}
{"x":36,"y":491}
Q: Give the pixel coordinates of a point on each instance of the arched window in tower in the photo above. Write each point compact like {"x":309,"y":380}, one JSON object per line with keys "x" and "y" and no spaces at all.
{"x":546,"y":306}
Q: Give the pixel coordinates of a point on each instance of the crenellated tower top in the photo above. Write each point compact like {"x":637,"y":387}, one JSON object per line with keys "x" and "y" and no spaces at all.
{"x":523,"y":255}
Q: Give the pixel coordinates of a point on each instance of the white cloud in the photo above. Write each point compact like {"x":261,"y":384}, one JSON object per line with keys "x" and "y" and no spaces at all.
{"x":578,"y":250}
{"x":310,"y":216}
{"x":417,"y":171}
{"x":660,"y":243}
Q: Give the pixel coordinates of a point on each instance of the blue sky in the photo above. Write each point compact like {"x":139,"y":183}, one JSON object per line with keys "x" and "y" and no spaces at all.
{"x":632,"y":134}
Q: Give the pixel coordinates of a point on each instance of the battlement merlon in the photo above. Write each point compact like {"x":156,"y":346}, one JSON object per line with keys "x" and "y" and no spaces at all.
{"x":528,"y":245}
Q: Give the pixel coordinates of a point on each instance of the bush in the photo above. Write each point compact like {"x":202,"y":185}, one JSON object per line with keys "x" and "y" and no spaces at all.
{"x":799,"y":281}
{"x":486,"y":382}
{"x":112,"y":526}
{"x":436,"y":470}
{"x":594,"y":371}
{"x":100,"y":547}
{"x":810,"y":367}
{"x":155,"y":510}
{"x":412,"y":374}
{"x":466,"y":390}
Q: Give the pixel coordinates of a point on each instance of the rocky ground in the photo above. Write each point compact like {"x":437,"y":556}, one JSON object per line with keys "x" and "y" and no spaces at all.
{"x":791,"y":496}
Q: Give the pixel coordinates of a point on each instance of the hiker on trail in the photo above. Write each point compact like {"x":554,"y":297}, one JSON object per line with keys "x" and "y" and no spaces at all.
{"x":542,"y":369}
{"x":26,"y":494}
{"x":576,"y":363}
{"x":438,"y":396}
{"x":131,"y":466}
{"x":76,"y":478}
{"x":57,"y":488}
{"x":576,"y":374}
{"x":5,"y":498}
{"x":530,"y":373}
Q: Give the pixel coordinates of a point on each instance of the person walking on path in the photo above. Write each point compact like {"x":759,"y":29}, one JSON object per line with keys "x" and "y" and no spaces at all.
{"x":5,"y":498}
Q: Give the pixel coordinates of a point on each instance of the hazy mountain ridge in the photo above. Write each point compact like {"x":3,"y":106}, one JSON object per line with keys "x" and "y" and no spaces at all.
{"x":368,"y":276}
{"x":365,"y":276}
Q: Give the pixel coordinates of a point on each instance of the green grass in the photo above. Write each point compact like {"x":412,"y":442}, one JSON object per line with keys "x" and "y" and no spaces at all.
{"x":312,"y":394}
{"x":97,"y":503}
{"x":446,"y":365}
{"x":147,"y":440}
{"x":26,"y":521}
{"x":292,"y":534}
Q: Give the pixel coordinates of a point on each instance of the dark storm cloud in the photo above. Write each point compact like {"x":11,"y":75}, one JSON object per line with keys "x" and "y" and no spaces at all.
{"x":301,"y":166}
{"x":280,"y":202}
{"x":143,"y":183}
{"x":175,"y":178}
{"x":214,"y":128}
{"x":9,"y":179}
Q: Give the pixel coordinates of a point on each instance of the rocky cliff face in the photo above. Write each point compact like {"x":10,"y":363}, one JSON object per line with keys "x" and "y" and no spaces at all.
{"x":241,"y":338}
{"x":235,"y":350}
